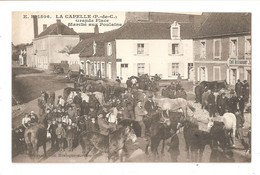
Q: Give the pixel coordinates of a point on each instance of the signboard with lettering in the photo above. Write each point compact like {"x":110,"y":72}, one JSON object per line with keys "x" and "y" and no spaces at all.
{"x":238,"y":62}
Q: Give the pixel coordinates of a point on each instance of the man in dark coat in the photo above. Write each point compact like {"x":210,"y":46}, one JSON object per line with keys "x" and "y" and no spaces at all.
{"x":245,"y":90}
{"x":128,"y":83}
{"x":232,"y":103}
{"x":238,"y":88}
{"x":52,"y":130}
{"x":241,"y":105}
{"x":211,"y":104}
{"x":149,"y":106}
{"x":222,"y":104}
{"x":77,"y":100}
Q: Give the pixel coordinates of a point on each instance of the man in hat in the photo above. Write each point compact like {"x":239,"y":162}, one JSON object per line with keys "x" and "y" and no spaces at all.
{"x":222,"y":104}
{"x":238,"y":88}
{"x":42,"y":104}
{"x":232,"y":102}
{"x":211,"y":104}
{"x":61,"y":134}
{"x":104,"y":126}
{"x":77,"y":100}
{"x":140,"y":112}
{"x":52,"y":130}
{"x":149,"y":106}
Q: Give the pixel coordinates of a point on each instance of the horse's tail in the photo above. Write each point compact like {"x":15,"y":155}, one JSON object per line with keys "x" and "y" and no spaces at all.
{"x":191,"y":107}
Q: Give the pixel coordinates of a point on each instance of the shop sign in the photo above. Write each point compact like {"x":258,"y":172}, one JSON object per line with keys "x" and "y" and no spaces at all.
{"x":238,"y":62}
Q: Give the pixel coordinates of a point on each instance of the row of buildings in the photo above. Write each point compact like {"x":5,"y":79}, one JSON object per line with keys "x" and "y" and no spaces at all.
{"x":210,"y":46}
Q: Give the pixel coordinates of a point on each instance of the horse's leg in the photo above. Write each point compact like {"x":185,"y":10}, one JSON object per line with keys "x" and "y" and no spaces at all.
{"x":44,"y":149}
{"x":162,"y":150}
{"x":86,"y":151}
{"x":147,"y":146}
{"x":95,"y":155}
{"x":201,"y":153}
{"x":120,"y":155}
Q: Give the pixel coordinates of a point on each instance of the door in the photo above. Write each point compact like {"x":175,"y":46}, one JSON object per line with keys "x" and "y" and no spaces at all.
{"x":124,"y":71}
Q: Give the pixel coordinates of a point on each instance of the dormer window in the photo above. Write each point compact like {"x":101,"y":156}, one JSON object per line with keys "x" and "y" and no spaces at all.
{"x":175,"y":30}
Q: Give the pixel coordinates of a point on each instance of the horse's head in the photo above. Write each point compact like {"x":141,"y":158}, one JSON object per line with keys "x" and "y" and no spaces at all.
{"x":129,"y":133}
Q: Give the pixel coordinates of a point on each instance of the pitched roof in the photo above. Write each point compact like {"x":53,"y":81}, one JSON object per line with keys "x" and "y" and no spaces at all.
{"x":85,"y":35}
{"x":57,"y":28}
{"x":129,"y":30}
{"x":219,"y":24}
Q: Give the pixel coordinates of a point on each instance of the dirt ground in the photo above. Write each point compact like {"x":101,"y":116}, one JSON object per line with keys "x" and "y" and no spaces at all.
{"x":46,"y":81}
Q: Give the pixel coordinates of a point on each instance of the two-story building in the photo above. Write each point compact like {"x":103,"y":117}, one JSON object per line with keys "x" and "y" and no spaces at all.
{"x":222,"y":48}
{"x":139,"y":48}
{"x":52,"y":45}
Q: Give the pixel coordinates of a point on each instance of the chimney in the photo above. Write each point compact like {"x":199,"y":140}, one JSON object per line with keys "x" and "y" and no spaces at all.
{"x":44,"y":27}
{"x":58,"y":27}
{"x":96,"y":29}
{"x":35,"y":25}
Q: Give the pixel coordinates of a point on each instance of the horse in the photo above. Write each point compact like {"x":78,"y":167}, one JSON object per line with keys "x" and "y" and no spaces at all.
{"x":173,"y":104}
{"x":35,"y":136}
{"x":230,"y":122}
{"x":160,"y":130}
{"x":113,"y":144}
{"x":195,"y":140}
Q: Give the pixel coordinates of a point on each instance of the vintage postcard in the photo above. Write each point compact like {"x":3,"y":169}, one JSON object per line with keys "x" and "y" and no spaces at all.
{"x":131,"y":87}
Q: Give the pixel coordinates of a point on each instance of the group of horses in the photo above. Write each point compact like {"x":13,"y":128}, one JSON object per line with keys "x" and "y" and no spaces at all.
{"x":162,"y":126}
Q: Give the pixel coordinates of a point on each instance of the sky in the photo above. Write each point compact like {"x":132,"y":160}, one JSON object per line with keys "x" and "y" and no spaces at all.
{"x":22,"y":23}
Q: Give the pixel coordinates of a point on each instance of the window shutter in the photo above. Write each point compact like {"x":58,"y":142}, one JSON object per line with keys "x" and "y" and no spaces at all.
{"x":146,"y":48}
{"x":206,"y":73}
{"x":198,"y":74}
{"x":135,"y":48}
{"x":227,"y":76}
{"x":169,"y":69}
{"x":170,"y":48}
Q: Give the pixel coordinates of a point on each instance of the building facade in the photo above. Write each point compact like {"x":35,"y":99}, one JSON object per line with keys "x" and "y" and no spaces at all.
{"x":222,"y":48}
{"x":52,"y":45}
{"x":140,"y":48}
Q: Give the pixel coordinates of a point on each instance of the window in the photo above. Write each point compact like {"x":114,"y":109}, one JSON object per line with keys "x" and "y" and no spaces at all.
{"x":248,"y":47}
{"x":103,"y":70}
{"x":125,"y":65}
{"x":203,"y":49}
{"x":109,"y":49}
{"x":175,"y":30}
{"x":140,"y":48}
{"x":175,"y":49}
{"x":140,"y":69}
{"x":175,"y":69}
{"x":217,"y":49}
{"x":233,"y":47}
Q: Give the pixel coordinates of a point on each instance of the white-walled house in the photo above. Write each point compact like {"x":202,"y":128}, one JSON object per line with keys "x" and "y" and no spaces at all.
{"x":167,"y":58}
{"x":139,"y":48}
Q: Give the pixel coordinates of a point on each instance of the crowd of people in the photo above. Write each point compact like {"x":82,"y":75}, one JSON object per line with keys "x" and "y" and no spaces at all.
{"x":67,"y":118}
